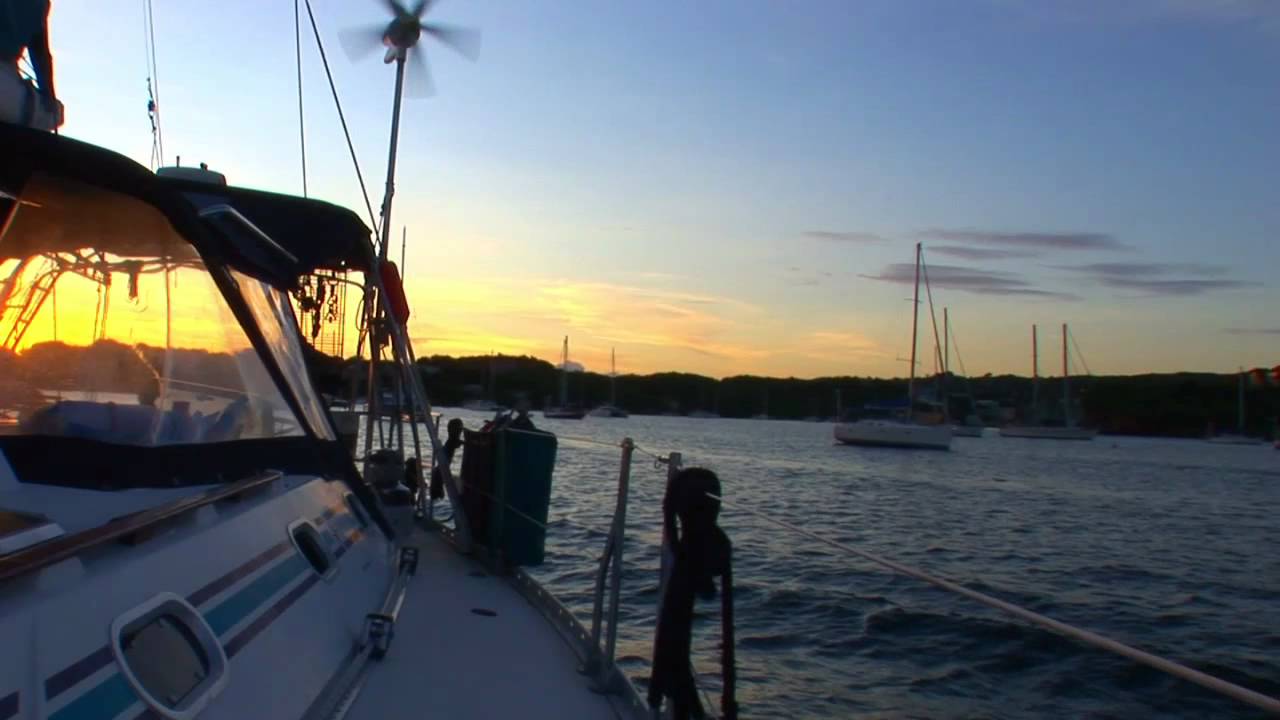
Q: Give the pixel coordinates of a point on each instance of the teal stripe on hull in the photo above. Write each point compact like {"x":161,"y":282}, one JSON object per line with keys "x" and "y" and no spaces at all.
{"x":113,"y":695}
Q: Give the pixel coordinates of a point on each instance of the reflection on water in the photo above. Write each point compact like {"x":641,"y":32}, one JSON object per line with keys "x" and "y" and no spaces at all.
{"x":1168,"y":545}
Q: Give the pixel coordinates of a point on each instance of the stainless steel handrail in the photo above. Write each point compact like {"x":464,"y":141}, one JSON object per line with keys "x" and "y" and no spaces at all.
{"x":600,"y":666}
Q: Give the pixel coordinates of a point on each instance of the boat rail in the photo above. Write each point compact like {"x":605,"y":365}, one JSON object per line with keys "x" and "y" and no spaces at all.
{"x":607,"y":678}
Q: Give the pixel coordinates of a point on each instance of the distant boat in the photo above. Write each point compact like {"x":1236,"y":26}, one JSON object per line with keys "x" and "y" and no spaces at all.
{"x":611,"y":410}
{"x":1067,"y":430}
{"x":564,"y":411}
{"x":906,"y":433}
{"x":1238,"y":437}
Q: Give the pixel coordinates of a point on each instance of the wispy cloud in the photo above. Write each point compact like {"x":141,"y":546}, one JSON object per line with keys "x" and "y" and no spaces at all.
{"x":1159,"y":279}
{"x":974,"y":280}
{"x":1253,"y":331}
{"x":1030,"y":241}
{"x":980,"y":253}
{"x":852,"y":236}
{"x":1144,"y":269}
{"x":1180,"y":287}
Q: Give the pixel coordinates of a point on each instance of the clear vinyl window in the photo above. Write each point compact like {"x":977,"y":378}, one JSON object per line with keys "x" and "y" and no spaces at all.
{"x":112,"y":328}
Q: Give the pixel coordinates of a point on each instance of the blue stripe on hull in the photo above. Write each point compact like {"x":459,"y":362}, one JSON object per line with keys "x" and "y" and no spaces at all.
{"x":113,"y":695}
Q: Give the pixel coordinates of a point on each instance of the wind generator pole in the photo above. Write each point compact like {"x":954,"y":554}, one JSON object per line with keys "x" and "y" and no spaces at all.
{"x":373,"y":404}
{"x":391,"y":159}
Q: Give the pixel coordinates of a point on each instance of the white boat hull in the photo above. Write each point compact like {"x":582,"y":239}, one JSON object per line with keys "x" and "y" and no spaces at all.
{"x":886,"y":433}
{"x":1047,"y":432}
{"x":608,"y":411}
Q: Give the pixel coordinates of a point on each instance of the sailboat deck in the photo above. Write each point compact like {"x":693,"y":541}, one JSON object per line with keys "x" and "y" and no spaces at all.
{"x":449,"y":661}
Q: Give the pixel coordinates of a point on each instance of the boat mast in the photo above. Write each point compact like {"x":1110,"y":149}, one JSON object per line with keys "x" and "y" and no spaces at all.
{"x":1240,"y":403}
{"x":946,"y":343}
{"x":1035,"y":372}
{"x":915,"y":318}
{"x":613,"y":377}
{"x":564,"y":373}
{"x":1066,"y":381}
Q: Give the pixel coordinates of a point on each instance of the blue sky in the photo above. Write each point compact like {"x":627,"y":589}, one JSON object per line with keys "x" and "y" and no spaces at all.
{"x":727,"y":186}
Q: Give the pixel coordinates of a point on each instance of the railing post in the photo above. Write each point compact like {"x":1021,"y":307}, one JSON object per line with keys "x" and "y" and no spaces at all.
{"x":666,"y":556}
{"x":600,"y":665}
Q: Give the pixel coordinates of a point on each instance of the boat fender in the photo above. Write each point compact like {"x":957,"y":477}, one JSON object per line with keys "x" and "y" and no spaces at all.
{"x":701,"y":552}
{"x":394,"y":289}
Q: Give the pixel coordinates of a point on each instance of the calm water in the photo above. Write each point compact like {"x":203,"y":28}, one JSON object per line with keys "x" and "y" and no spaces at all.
{"x":1167,"y":545}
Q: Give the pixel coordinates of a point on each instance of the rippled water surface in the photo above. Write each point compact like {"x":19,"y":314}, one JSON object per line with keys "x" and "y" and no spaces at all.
{"x":1167,"y":545}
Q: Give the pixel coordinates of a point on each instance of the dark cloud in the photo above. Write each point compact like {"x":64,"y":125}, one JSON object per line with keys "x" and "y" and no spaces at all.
{"x":977,"y":253}
{"x":1164,"y":279}
{"x":1138,"y":269}
{"x":1175,"y":287}
{"x":1030,"y":240}
{"x":1253,"y":331}
{"x":974,"y":280}
{"x":848,"y":237}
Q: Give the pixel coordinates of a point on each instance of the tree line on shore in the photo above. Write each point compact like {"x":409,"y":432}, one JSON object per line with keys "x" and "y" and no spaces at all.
{"x":1182,"y":404}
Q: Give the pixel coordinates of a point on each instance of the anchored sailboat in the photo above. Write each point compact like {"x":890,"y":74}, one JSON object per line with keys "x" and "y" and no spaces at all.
{"x":611,"y":410}
{"x":899,"y":432}
{"x":1238,"y":437}
{"x":564,"y":411}
{"x":1037,"y":430}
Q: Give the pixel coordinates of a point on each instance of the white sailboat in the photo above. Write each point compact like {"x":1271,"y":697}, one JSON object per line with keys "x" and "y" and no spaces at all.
{"x":611,"y":410}
{"x":564,"y":411}
{"x":1067,"y":430}
{"x":1238,"y":437}
{"x":904,"y":433}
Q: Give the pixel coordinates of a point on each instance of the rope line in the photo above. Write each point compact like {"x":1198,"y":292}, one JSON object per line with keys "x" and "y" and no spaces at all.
{"x":1081,"y":635}
{"x":341,"y":117}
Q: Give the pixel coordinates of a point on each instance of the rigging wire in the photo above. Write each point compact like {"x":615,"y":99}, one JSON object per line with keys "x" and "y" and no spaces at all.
{"x":297,"y":51}
{"x":937,"y":340}
{"x":1072,"y":337}
{"x":153,"y":84}
{"x":333,"y":88}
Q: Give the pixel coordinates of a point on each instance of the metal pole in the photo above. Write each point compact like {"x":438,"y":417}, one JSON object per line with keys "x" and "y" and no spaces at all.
{"x":391,"y":158}
{"x":620,"y":532}
{"x":372,"y":404}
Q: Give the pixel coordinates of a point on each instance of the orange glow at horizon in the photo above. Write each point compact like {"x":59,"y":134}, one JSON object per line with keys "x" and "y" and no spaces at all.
{"x":198,"y":317}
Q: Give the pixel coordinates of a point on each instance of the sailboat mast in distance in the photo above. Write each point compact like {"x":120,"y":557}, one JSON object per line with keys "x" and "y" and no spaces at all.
{"x":1035,"y":370}
{"x":1066,"y":380}
{"x":915,"y":319}
{"x":564,"y":373}
{"x":946,"y":343}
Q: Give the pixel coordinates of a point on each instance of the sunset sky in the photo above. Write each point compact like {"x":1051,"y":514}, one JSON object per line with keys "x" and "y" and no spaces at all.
{"x":734,"y":186}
